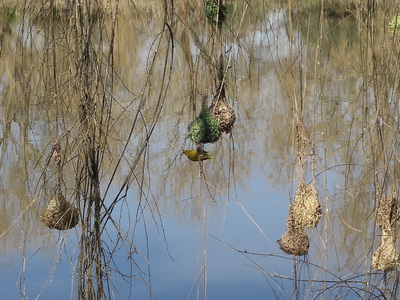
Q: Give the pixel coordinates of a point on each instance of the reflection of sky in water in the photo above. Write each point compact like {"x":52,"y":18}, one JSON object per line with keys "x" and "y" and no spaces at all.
{"x":230,"y":275}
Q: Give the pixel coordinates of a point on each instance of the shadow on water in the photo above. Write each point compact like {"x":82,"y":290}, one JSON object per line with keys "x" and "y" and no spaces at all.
{"x":97,"y":98}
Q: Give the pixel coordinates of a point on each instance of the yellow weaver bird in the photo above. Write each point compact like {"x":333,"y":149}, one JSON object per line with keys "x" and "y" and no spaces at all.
{"x":193,"y":155}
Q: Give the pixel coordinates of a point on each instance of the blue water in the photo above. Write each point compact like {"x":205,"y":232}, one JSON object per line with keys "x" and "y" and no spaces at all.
{"x":176,"y":261}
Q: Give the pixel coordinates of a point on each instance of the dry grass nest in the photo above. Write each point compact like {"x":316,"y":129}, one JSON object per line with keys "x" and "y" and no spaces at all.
{"x":386,"y":257}
{"x":387,"y":212}
{"x":59,"y":214}
{"x":306,"y":209}
{"x":224,"y":114}
{"x":303,"y":213}
{"x":295,"y":241}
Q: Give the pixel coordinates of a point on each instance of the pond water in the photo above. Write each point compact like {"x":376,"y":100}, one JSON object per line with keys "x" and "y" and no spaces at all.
{"x":316,"y":101}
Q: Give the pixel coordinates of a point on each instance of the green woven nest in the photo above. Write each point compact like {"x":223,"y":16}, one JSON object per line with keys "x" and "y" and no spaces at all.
{"x":216,"y":13}
{"x":394,"y":24}
{"x":205,"y":128}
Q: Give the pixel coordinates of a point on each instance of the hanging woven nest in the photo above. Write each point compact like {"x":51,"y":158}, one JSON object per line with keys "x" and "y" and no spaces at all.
{"x":215,"y":12}
{"x":224,"y":113}
{"x":306,"y":209}
{"x":386,"y":257}
{"x":295,"y":241}
{"x":387,"y":212}
{"x":59,"y":214}
{"x":205,"y":128}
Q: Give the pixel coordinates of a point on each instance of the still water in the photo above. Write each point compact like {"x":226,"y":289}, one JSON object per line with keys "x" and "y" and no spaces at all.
{"x":175,"y":235}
